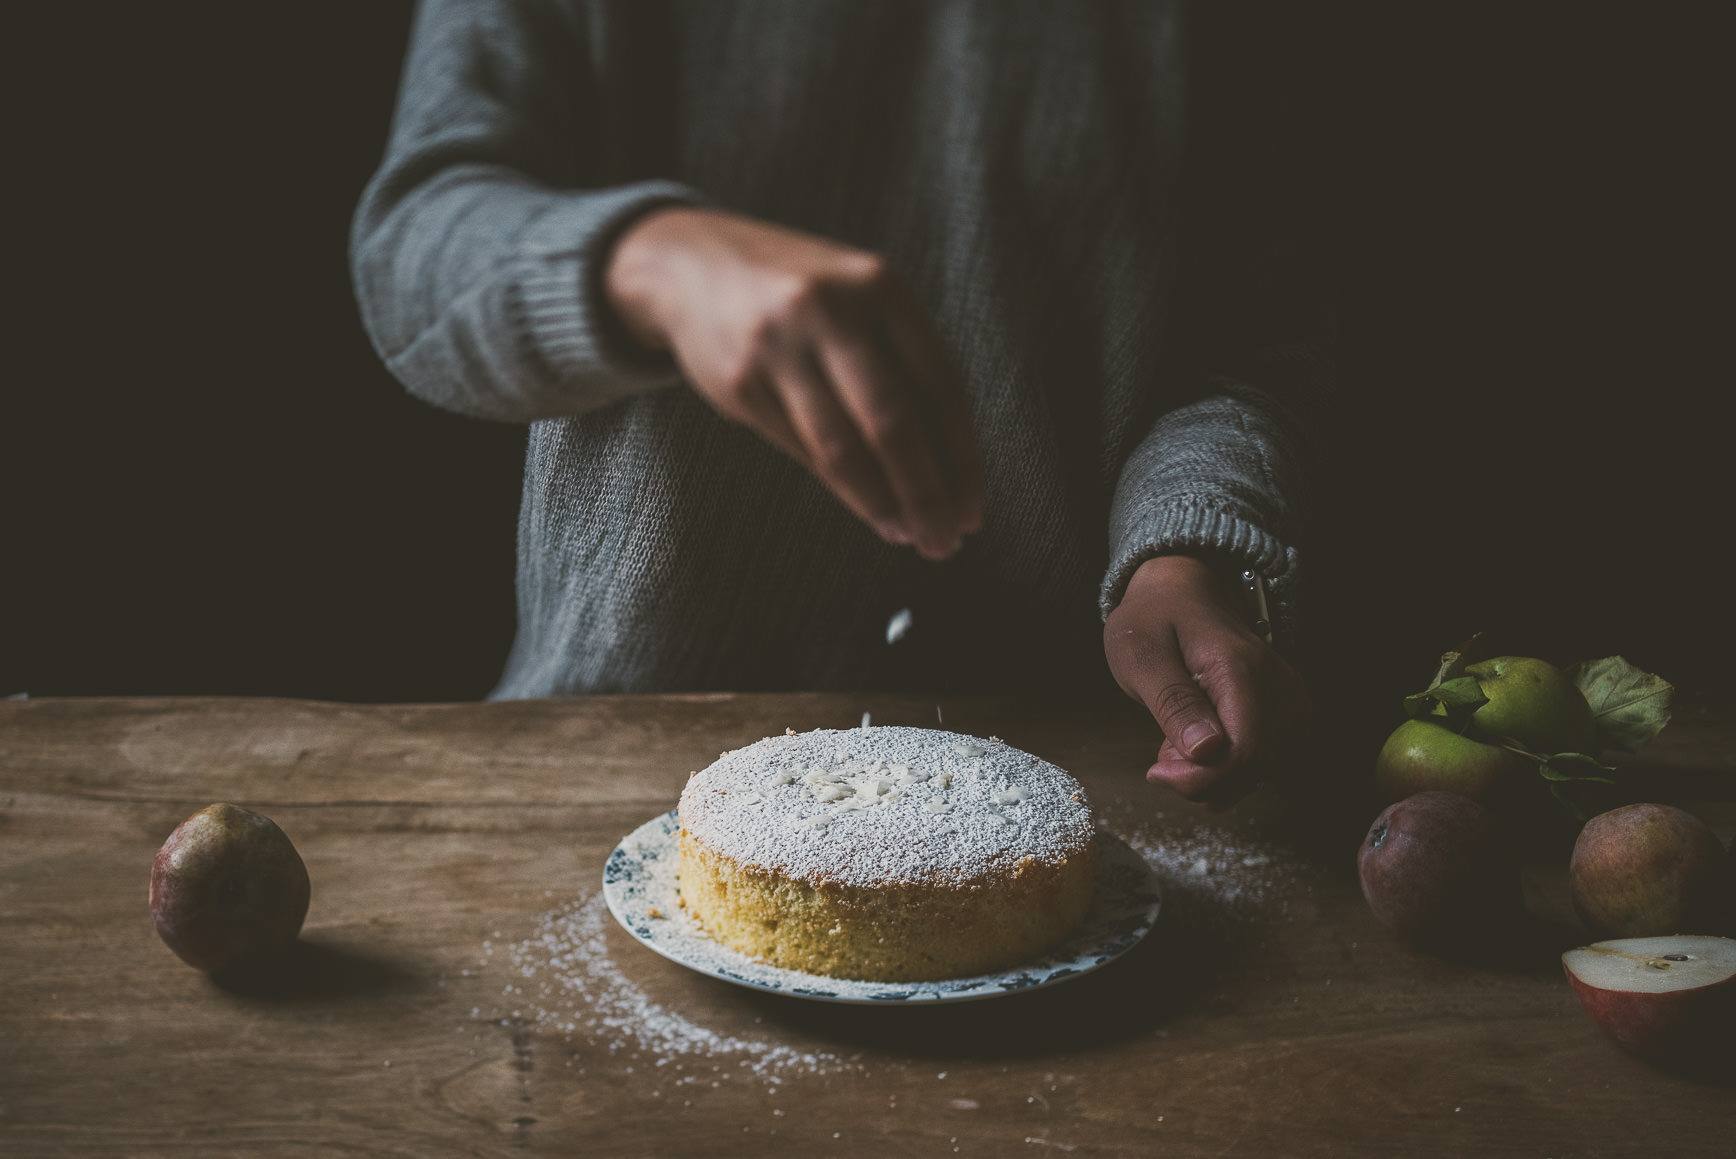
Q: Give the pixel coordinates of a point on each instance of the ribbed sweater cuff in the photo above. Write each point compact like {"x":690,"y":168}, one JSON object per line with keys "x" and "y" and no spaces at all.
{"x":1194,"y":525}
{"x":561,"y":309}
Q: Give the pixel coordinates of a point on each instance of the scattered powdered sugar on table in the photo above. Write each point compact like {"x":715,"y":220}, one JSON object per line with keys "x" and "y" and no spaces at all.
{"x":564,"y":980}
{"x":1244,"y":876}
{"x":567,"y":982}
{"x":869,"y":806}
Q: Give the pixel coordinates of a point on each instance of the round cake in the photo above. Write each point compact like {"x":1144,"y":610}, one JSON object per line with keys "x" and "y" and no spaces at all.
{"x":886,"y":854}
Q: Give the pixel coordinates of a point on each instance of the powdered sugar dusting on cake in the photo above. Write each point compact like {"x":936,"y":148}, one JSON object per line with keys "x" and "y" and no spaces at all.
{"x":870,"y":806}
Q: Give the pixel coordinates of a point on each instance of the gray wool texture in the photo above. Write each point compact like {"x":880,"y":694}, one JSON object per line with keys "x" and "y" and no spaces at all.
{"x":1017,"y":163}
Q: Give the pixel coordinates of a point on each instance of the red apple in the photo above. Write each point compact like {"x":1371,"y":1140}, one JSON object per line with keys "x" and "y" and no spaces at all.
{"x":227,"y":886}
{"x":1437,"y":868}
{"x":1668,"y":998}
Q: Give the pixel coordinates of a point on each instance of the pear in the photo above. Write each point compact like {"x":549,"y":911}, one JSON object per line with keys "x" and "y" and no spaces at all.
{"x":1535,"y":703}
{"x":1646,"y":870}
{"x":227,"y":887}
{"x":1422,"y":754}
{"x":1437,"y":869}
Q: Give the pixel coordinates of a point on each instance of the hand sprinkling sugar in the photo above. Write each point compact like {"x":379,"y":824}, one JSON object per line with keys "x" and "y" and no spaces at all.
{"x":898,"y":625}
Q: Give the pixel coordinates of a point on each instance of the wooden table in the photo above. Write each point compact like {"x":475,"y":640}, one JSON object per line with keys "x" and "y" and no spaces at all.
{"x":459,"y":990}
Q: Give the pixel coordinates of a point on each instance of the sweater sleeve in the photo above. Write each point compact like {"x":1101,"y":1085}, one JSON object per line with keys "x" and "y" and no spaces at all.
{"x":1218,"y":477}
{"x":478,"y":246}
{"x":1227,"y":474}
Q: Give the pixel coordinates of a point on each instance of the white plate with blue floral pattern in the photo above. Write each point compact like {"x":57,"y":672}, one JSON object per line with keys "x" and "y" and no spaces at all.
{"x":639,"y":884}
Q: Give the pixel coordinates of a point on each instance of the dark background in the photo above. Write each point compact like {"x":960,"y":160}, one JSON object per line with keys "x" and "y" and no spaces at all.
{"x":211,"y":485}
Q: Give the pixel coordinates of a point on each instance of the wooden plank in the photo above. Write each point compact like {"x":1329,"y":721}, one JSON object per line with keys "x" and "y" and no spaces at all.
{"x":460,"y":991}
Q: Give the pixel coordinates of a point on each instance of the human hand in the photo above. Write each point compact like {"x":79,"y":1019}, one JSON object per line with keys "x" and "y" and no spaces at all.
{"x":1179,"y":643}
{"x":818,"y":347}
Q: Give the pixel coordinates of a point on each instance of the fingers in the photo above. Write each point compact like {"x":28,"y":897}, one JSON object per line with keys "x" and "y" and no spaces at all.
{"x":1152,"y":668}
{"x":1189,"y":778}
{"x":1223,"y":698}
{"x":882,"y":397}
{"x":763,"y":409}
{"x":1219,"y":785}
{"x":948,"y":410}
{"x":820,"y":348}
{"x":888,"y":434}
{"x":1197,"y":745}
{"x":1261,"y":705}
{"x":831,"y":447}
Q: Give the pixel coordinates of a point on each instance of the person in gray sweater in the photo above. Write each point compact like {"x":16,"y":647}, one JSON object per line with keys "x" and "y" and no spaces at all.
{"x":821,"y":310}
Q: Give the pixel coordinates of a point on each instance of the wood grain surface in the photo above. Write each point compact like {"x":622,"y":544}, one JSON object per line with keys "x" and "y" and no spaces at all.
{"x":458,"y":990}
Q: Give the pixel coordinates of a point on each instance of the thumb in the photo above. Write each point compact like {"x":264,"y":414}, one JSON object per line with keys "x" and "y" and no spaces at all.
{"x":1185,"y":714}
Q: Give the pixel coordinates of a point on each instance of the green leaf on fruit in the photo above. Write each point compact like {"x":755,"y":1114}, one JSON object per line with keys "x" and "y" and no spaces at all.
{"x":1455,"y":700}
{"x":1628,"y":706}
{"x":1551,"y":773}
{"x":1442,"y":712}
{"x":1572,"y":766}
{"x":1582,"y":760}
{"x":1460,"y":692}
{"x":1451,"y":694}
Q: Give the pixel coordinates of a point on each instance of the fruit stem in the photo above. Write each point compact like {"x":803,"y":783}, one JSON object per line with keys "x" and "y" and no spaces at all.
{"x":1511,"y":747}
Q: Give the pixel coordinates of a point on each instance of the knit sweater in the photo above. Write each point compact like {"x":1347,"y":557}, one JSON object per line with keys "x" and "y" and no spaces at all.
{"x":1016,"y":160}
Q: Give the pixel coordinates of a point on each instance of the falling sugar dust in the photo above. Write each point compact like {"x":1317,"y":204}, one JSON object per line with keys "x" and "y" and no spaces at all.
{"x":896,"y":629}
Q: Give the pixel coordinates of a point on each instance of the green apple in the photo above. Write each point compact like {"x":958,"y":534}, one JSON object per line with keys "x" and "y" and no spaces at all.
{"x":1422,"y":754}
{"x":1647,"y":870}
{"x":1535,"y":703}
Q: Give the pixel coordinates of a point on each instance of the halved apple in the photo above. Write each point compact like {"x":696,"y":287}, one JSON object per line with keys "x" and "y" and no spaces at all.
{"x":1658,"y":997}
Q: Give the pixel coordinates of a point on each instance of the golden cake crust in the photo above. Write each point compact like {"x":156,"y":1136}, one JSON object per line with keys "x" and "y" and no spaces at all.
{"x":887,"y":854}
